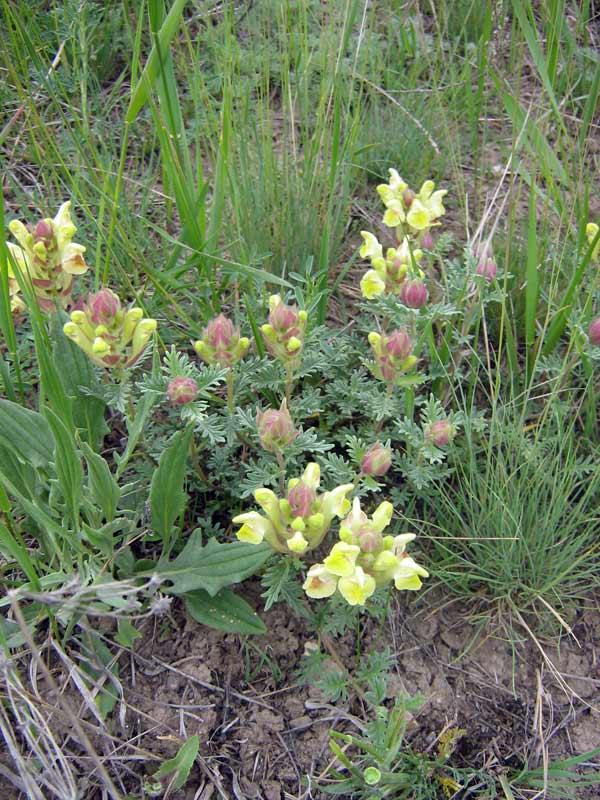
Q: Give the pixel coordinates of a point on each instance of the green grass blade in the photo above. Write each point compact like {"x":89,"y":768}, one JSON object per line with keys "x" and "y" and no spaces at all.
{"x":168,"y":29}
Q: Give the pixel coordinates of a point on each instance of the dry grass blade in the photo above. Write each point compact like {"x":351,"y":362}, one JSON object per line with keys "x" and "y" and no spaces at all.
{"x":39,"y":758}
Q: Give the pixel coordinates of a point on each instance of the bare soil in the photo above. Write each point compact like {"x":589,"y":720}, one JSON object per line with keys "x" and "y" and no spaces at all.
{"x":265,"y":736}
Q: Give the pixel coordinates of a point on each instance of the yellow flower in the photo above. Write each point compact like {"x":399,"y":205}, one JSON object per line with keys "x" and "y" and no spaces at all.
{"x":371,"y":247}
{"x":297,"y":544}
{"x":254,"y":527}
{"x":406,"y":574}
{"x":431,"y":200}
{"x":418,"y":216}
{"x":371,"y":285}
{"x":590,"y":231}
{"x":356,"y":588}
{"x":341,"y":560}
{"x":320,"y":582}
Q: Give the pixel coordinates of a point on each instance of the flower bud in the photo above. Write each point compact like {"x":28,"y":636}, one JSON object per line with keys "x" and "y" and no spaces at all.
{"x":376,"y":461}
{"x":370,"y":540}
{"x":44,"y":230}
{"x":219,"y":332}
{"x":427,"y":240}
{"x":282,"y":318}
{"x":398,"y":344}
{"x":275,"y":428}
{"x":407,"y":197}
{"x":487,"y":268}
{"x":414,"y":293}
{"x":440,"y":433}
{"x":372,"y":776}
{"x":181,"y":391}
{"x":103,"y":307}
{"x":594,"y":332}
{"x":301,"y":498}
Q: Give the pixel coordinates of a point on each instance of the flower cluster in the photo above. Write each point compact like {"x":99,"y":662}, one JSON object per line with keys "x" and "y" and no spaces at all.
{"x":412,"y":216}
{"x":412,"y":213}
{"x":110,"y":335}
{"x":393,"y":354}
{"x":364,"y":559}
{"x":389,"y":274}
{"x":284,"y":332}
{"x":221,"y":343}
{"x":298,"y":522}
{"x":47,"y":254}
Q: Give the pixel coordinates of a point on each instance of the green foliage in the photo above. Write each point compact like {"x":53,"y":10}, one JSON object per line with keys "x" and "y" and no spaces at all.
{"x":181,"y":764}
{"x":519,"y":523}
{"x":212,"y":566}
{"x":225,"y":611}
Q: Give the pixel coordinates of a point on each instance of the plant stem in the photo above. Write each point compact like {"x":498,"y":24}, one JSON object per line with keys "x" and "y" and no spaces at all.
{"x":230,"y":395}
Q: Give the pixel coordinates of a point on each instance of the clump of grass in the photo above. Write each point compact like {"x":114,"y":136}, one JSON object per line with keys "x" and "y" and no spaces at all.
{"x":520,"y":522}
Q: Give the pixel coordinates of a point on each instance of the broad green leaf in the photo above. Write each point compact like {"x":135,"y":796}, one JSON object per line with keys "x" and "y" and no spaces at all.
{"x":213,"y":566}
{"x":67,"y":462}
{"x":225,"y":611}
{"x":127,"y":633}
{"x":167,"y":498}
{"x":181,"y":764}
{"x":26,"y":434}
{"x":103,"y":487}
{"x":77,"y":373}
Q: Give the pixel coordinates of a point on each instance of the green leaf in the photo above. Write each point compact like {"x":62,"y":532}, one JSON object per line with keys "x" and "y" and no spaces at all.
{"x":68,"y":465}
{"x":167,"y":498}
{"x":127,"y":633}
{"x":102,"y":485}
{"x":26,"y":433}
{"x":151,"y":70}
{"x":181,"y":764}
{"x":214,"y":566}
{"x":135,"y":428}
{"x":225,"y":611}
{"x":76,"y":372}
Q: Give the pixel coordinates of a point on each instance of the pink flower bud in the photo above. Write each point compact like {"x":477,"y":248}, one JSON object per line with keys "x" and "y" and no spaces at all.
{"x":43,"y":230}
{"x":398,"y":344}
{"x":369,"y":541}
{"x":284,"y":319}
{"x":594,"y":332}
{"x":427,"y":241}
{"x":275,"y":428}
{"x":414,"y":293}
{"x":440,"y":433}
{"x":377,"y":460}
{"x":220,"y":332}
{"x":103,"y":307}
{"x":487,"y":268}
{"x":181,"y":391}
{"x":407,"y":197}
{"x":301,"y":497}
